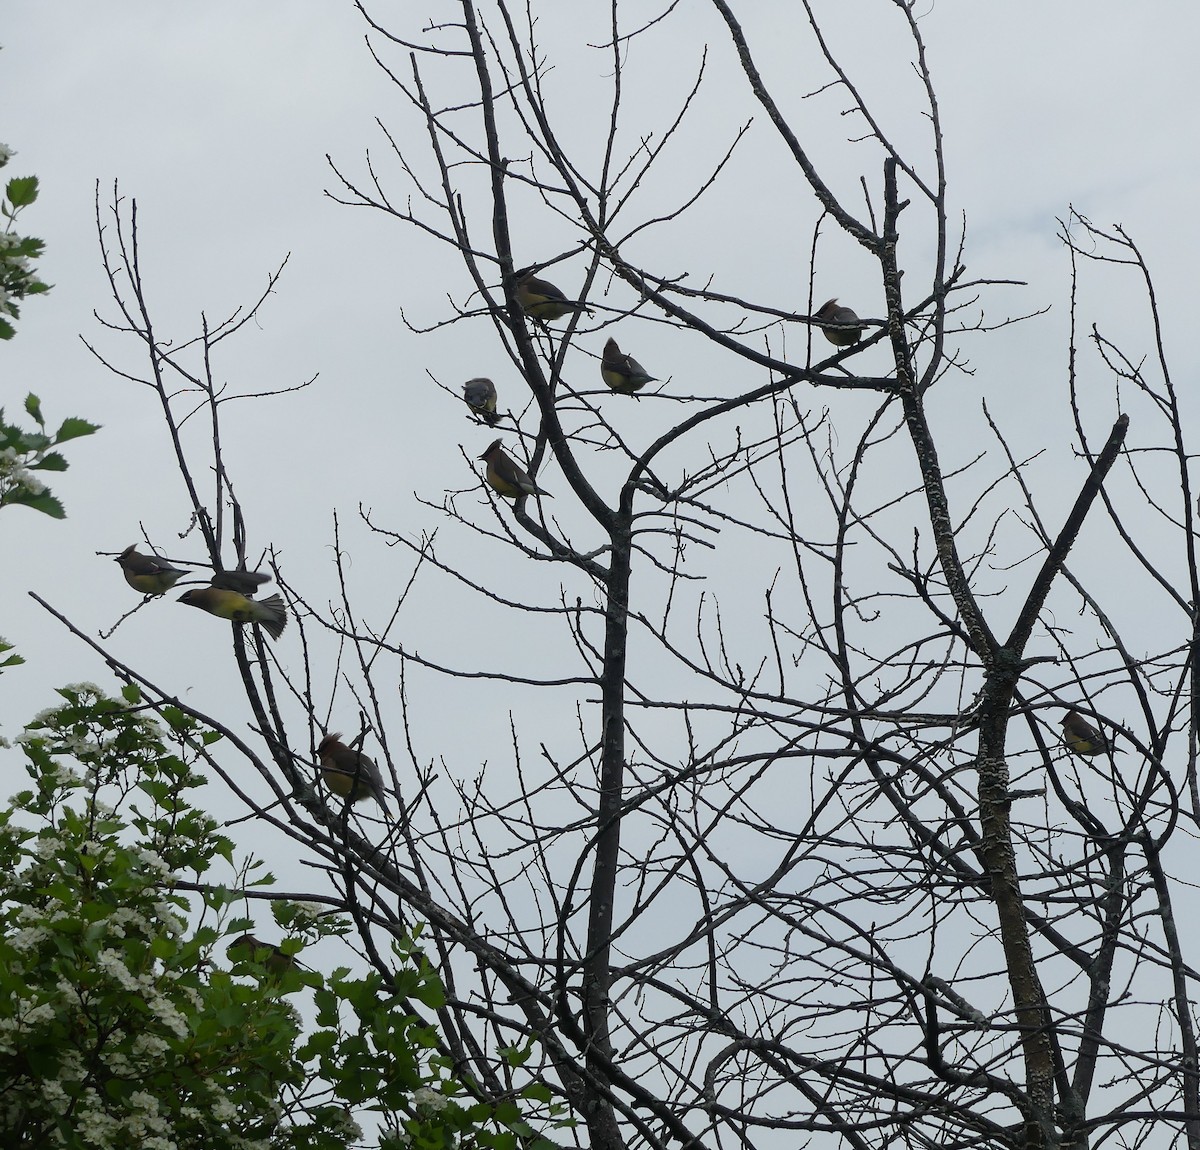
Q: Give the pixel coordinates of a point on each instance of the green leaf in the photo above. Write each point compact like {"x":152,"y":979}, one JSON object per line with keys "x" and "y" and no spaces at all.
{"x":174,"y":718}
{"x":74,"y":428}
{"x":7,"y":331}
{"x":516,"y":1055}
{"x":22,"y":191}
{"x":431,"y":994}
{"x":46,"y":503}
{"x":33,"y":405}
{"x":32,"y":441}
{"x":50,"y":462}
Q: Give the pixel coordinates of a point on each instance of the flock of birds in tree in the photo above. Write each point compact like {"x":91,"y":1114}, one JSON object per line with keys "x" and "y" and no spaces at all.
{"x":543,"y":301}
{"x":345,"y":770}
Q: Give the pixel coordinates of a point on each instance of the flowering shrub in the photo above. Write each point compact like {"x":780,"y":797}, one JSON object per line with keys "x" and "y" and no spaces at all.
{"x":124,"y":1022}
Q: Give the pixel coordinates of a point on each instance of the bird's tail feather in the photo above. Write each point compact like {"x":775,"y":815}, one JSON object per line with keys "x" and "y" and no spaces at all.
{"x":273,"y":615}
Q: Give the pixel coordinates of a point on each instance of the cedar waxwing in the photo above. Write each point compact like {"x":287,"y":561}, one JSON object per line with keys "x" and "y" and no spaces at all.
{"x":843,"y":336}
{"x":242,"y":581}
{"x":480,"y":397}
{"x":507,"y":476}
{"x":348,"y":772}
{"x":247,"y":948}
{"x":235,"y":607}
{"x":147,"y":573}
{"x":542,"y":300}
{"x":1082,"y":737}
{"x":622,"y":372}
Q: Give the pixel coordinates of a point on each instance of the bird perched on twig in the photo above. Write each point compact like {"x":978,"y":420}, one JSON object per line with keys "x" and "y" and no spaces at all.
{"x":247,"y":948}
{"x":480,"y":396}
{"x":622,"y":372}
{"x":1082,"y":738}
{"x":348,"y":772}
{"x":842,"y":336}
{"x":237,"y":608}
{"x":148,"y":573}
{"x":242,"y":581}
{"x":507,"y":476}
{"x":542,"y":300}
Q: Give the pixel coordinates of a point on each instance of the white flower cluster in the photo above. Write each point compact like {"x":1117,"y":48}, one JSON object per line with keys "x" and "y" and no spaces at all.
{"x":9,"y":241}
{"x":153,"y":861}
{"x":29,"y":938}
{"x":26,"y":1015}
{"x":430,"y":1099}
{"x":306,"y":913}
{"x":14,"y":475}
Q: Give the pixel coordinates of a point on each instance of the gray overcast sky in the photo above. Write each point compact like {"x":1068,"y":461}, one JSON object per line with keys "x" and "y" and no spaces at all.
{"x":217,"y":118}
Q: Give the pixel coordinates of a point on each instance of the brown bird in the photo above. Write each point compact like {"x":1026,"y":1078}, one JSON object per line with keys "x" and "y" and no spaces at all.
{"x":542,"y":300}
{"x":844,"y":336}
{"x":480,"y":396}
{"x":507,"y":476}
{"x":622,"y":372}
{"x":1082,"y":737}
{"x":247,"y":948}
{"x":148,"y":573}
{"x":348,"y":772}
{"x":242,"y":581}
{"x":235,"y":607}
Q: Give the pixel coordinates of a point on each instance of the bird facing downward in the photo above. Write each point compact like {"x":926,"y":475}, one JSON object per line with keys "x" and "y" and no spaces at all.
{"x":829,"y":312}
{"x":622,"y":372}
{"x":235,"y":607}
{"x":480,"y":396}
{"x":348,"y":772}
{"x":542,"y":300}
{"x":1082,"y":738}
{"x":507,"y":476}
{"x":147,"y":573}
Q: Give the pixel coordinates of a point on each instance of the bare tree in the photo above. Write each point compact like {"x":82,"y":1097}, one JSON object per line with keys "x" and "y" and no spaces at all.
{"x":817,"y":865}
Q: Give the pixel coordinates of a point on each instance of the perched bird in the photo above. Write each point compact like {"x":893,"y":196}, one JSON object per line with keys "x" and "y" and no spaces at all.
{"x":147,"y":573}
{"x":1082,"y":737}
{"x":542,"y":300}
{"x":348,"y":772}
{"x":247,"y":948}
{"x":507,"y":476}
{"x":842,"y":336}
{"x":242,"y":581}
{"x":622,"y":372}
{"x":480,"y":397}
{"x":235,"y":607}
